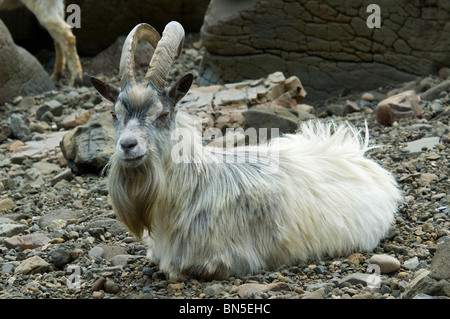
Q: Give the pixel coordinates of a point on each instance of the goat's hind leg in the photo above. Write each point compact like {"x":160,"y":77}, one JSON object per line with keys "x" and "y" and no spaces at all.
{"x":60,"y":64}
{"x":50,"y":15}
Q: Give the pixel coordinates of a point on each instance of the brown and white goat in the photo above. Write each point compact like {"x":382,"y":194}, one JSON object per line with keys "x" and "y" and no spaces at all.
{"x":301,"y":196}
{"x":50,"y":14}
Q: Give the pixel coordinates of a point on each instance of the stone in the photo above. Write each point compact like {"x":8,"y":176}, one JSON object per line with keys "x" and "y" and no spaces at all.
{"x":249,"y":290}
{"x":433,"y":92}
{"x":45,"y":168}
{"x":74,"y":119}
{"x":18,"y":127}
{"x":425,"y":284}
{"x":88,"y":148}
{"x":356,"y":278}
{"x":11,"y":229}
{"x":411,"y":264}
{"x":32,"y":265}
{"x":386,"y":263}
{"x":440,"y":266}
{"x":180,"y":286}
{"x":6,"y":204}
{"x":26,"y":241}
{"x":110,"y":251}
{"x":59,"y":257}
{"x":215,"y":290}
{"x":21,"y":73}
{"x":61,"y":214}
{"x":418,"y":146}
{"x":114,"y":226}
{"x":316,"y":294}
{"x":44,"y":148}
{"x":404,"y":105}
{"x":98,"y":284}
{"x":8,"y":267}
{"x":367,"y":96}
{"x":427,"y":178}
{"x":356,"y":259}
{"x":111,"y":287}
{"x":260,"y":118}
{"x":64,"y":175}
{"x":304,"y":107}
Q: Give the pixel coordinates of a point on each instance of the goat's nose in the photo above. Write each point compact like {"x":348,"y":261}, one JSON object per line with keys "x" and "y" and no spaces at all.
{"x":128,"y":144}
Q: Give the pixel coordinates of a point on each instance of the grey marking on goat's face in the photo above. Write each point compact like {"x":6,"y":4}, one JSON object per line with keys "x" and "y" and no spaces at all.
{"x":139,"y":116}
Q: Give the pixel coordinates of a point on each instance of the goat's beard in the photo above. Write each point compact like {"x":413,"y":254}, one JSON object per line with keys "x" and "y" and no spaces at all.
{"x":132,"y":192}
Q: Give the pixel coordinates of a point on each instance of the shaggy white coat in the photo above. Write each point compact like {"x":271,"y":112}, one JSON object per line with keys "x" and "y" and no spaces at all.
{"x":210,"y":219}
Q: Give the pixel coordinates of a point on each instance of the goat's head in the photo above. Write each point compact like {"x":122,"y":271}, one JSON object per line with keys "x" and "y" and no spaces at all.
{"x":144,"y":113}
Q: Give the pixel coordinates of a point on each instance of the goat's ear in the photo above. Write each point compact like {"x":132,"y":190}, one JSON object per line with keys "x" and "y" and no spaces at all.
{"x":180,"y":88}
{"x":108,"y":91}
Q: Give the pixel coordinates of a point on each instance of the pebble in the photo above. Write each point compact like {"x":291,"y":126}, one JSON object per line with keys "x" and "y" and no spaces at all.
{"x":26,"y":241}
{"x":111,"y":287}
{"x":96,"y":252}
{"x":411,"y":264}
{"x":32,"y":265}
{"x":386,"y":263}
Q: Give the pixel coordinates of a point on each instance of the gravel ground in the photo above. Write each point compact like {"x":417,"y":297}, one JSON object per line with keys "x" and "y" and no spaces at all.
{"x":86,"y":253}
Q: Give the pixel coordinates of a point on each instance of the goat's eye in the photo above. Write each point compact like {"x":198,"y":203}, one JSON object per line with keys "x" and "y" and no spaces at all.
{"x":113,"y":114}
{"x":165,"y":115}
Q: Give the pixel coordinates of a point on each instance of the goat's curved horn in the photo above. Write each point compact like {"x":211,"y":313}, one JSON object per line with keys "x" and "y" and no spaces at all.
{"x":168,"y":48}
{"x":142,"y":31}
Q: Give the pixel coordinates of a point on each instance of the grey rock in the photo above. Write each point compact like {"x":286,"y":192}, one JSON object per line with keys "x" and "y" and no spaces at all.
{"x":411,"y":264}
{"x":64,"y":175}
{"x":32,"y":265}
{"x":110,"y":251}
{"x":433,"y":92}
{"x":440,"y":265}
{"x":112,"y":225}
{"x":418,"y":146}
{"x":111,"y":287}
{"x":60,"y":214}
{"x":267,"y":119}
{"x":89,"y":147}
{"x":425,"y":284}
{"x":21,"y":73}
{"x":215,"y":290}
{"x":356,"y":278}
{"x":8,"y":230}
{"x":18,"y":127}
{"x":59,"y":257}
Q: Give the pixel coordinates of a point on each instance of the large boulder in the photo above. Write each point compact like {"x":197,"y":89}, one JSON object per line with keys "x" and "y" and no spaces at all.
{"x":327,"y":44}
{"x":88,"y":148}
{"x":20,"y":72}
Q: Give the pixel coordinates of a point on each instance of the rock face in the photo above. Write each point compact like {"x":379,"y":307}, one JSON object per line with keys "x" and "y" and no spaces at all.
{"x":327,"y":44}
{"x":88,"y":147}
{"x":20,"y":72}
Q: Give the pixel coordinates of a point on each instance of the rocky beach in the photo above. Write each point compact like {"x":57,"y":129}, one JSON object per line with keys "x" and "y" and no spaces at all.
{"x":59,"y":237}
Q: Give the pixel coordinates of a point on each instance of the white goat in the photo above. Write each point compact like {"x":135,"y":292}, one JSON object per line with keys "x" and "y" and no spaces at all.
{"x":211,"y":219}
{"x":50,"y":14}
